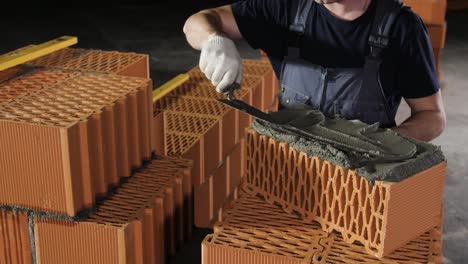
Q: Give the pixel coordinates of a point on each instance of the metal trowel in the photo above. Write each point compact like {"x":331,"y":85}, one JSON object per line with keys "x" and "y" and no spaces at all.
{"x":243,"y":106}
{"x":350,"y":143}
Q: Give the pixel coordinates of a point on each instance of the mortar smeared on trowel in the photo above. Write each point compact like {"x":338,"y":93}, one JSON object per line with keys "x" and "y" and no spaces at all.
{"x":377,"y":144}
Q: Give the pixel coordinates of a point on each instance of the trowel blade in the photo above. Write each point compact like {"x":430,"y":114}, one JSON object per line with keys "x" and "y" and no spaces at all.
{"x":248,"y":109}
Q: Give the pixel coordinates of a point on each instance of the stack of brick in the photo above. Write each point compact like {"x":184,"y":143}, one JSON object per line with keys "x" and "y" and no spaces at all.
{"x":296,"y":208}
{"x":432,"y":13}
{"x":67,"y":142}
{"x":255,"y":231}
{"x":382,"y":217}
{"x":140,"y":222}
{"x":198,"y":127}
{"x":79,"y":182}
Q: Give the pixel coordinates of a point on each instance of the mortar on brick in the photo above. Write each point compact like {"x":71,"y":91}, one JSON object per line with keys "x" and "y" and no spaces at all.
{"x":358,"y":144}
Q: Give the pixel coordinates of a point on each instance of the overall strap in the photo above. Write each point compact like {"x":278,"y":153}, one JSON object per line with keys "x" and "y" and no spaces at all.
{"x":386,"y":15}
{"x":299,"y":12}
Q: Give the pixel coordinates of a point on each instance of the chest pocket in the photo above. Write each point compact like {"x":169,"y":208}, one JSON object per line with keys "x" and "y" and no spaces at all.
{"x":300,"y":85}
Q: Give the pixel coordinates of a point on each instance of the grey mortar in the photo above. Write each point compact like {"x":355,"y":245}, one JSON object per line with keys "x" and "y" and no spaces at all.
{"x":375,"y":153}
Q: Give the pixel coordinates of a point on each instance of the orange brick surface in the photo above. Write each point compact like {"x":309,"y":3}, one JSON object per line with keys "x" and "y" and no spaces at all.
{"x":14,"y":238}
{"x":255,"y":231}
{"x":20,"y":81}
{"x":437,"y":34}
{"x":136,"y":224}
{"x":120,"y":63}
{"x":198,"y":127}
{"x":218,"y":189}
{"x":382,"y":217}
{"x":67,"y":142}
{"x":431,"y":11}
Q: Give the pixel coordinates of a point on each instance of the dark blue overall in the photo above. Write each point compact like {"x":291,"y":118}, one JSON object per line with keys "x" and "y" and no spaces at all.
{"x":351,"y":93}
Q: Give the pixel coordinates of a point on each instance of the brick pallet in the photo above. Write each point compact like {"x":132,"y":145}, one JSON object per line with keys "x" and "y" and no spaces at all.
{"x":255,"y":231}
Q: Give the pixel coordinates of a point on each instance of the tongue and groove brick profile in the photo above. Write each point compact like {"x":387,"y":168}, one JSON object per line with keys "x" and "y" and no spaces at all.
{"x":382,"y":217}
{"x":67,"y":142}
{"x":15,"y":244}
{"x":255,"y":231}
{"x":142,"y":221}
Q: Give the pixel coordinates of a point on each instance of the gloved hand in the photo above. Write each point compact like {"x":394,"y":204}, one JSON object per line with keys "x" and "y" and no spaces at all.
{"x":220,"y":62}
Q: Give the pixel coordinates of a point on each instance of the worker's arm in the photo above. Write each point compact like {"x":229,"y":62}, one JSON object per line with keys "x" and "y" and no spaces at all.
{"x":217,"y":21}
{"x":427,"y":120}
{"x":212,"y":31}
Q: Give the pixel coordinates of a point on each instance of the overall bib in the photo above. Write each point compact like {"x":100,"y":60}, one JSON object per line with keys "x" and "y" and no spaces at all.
{"x":350,"y":93}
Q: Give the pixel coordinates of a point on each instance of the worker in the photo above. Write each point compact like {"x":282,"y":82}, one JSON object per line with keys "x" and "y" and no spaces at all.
{"x":350,"y":58}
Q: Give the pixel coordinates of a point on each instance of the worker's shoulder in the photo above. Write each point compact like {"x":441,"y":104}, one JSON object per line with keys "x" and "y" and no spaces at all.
{"x":409,"y":25}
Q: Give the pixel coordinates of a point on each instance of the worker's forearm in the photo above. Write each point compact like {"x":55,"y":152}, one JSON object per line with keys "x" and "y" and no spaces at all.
{"x":424,"y":125}
{"x":200,"y":26}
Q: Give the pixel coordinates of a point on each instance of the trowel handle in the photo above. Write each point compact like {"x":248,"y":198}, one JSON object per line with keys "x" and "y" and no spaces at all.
{"x":230,"y":90}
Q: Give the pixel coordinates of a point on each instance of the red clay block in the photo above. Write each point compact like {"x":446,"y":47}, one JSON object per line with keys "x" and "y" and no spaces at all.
{"x":235,"y":164}
{"x":431,"y":11}
{"x":186,"y":165}
{"x":157,"y":133}
{"x":19,"y":82}
{"x":264,"y":70}
{"x":203,"y":204}
{"x":145,"y":111}
{"x":189,"y":147}
{"x":437,"y":34}
{"x":66,"y":133}
{"x":129,"y":226}
{"x":120,"y":63}
{"x":229,"y":132}
{"x":181,"y":122}
{"x":212,"y":149}
{"x":122,"y":152}
{"x":244,"y":120}
{"x":14,"y":238}
{"x":382,"y":217}
{"x":255,"y":231}
{"x":220,"y":190}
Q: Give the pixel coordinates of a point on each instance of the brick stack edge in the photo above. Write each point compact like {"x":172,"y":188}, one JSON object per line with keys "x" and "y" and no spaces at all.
{"x":432,"y":12}
{"x":197,"y":127}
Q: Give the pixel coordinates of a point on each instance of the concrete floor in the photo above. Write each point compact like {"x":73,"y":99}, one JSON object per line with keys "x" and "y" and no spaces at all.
{"x":156,"y":30}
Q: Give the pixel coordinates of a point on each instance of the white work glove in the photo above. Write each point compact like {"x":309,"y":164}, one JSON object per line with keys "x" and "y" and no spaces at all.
{"x":220,"y":62}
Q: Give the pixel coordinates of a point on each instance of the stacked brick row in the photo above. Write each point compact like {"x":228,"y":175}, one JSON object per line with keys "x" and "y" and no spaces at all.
{"x":198,"y":127}
{"x":255,"y":231}
{"x":138,"y":223}
{"x":79,"y":182}
{"x":432,"y":13}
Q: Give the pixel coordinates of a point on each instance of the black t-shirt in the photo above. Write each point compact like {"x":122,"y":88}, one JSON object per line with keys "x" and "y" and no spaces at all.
{"x":331,"y":42}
